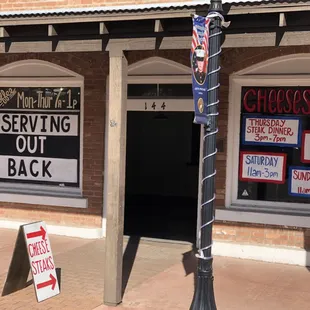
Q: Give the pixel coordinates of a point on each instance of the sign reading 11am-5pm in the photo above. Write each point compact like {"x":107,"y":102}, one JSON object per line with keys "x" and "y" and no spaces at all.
{"x":40,"y":135}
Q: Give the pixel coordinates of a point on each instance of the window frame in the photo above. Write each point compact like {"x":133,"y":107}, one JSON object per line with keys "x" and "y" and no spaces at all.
{"x":30,"y":192}
{"x":233,"y":139}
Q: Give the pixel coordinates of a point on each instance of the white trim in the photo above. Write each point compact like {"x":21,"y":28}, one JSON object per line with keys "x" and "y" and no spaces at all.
{"x":272,"y":62}
{"x":282,"y":255}
{"x":72,"y":202}
{"x":180,"y":105}
{"x":164,"y":79}
{"x":178,"y":69}
{"x":66,"y":78}
{"x":68,"y":231}
{"x":236,"y":82}
{"x":267,"y":218}
{"x":62,"y":72}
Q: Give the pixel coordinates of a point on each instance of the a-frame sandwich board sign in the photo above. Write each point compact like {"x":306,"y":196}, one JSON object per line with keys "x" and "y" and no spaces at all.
{"x":33,"y":252}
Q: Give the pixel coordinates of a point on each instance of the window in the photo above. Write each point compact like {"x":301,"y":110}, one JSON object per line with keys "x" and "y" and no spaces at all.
{"x":272,"y":165}
{"x":40,"y":136}
{"x":41,"y":122}
{"x":271,"y":161}
{"x":160,"y":91}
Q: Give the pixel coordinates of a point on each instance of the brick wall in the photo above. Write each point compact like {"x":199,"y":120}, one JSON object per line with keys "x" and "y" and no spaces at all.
{"x":262,"y":235}
{"x":94,"y":68}
{"x":14,"y":5}
{"x":233,"y":60}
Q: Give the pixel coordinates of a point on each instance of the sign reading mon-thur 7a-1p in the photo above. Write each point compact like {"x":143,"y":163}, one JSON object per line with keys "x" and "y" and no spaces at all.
{"x":41,"y":261}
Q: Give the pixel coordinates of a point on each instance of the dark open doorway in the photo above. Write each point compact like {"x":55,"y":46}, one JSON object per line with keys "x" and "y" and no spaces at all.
{"x":162,"y":169}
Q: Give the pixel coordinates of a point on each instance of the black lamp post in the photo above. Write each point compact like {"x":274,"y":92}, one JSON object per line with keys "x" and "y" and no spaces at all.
{"x":204,"y":293}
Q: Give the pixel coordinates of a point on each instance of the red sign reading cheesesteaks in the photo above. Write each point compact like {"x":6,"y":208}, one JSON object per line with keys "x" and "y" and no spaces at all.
{"x":41,"y":260}
{"x":276,"y":100}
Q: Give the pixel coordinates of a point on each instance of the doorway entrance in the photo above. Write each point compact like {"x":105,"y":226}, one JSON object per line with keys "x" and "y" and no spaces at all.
{"x":162,"y":168}
{"x":162,"y":171}
{"x":162,"y":152}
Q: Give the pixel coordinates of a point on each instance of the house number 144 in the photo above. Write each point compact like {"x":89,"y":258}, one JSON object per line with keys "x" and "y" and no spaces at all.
{"x":149,"y":106}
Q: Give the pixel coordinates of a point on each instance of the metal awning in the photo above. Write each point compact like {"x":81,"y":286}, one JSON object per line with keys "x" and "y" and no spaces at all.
{"x":132,"y":8}
{"x":162,"y":26}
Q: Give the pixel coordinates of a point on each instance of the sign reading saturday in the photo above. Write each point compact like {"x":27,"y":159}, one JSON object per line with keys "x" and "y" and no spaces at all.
{"x":271,"y":130}
{"x":262,"y":167}
{"x":40,"y":135}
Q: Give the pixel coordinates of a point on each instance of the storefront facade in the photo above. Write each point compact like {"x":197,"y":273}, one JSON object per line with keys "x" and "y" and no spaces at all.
{"x":69,"y":109}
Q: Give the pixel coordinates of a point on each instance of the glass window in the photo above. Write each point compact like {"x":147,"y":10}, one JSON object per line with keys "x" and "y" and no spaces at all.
{"x":176,"y":90}
{"x":142,"y":90}
{"x":40,"y":136}
{"x":160,"y":91}
{"x":274,"y":152}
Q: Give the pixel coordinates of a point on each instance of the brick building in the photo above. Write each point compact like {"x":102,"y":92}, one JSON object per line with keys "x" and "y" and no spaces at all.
{"x":97,"y":107}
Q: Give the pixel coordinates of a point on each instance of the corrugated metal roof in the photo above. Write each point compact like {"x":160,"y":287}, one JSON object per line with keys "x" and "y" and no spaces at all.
{"x":123,"y":8}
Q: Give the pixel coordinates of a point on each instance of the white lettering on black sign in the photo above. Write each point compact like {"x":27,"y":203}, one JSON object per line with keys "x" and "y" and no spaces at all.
{"x":40,"y":135}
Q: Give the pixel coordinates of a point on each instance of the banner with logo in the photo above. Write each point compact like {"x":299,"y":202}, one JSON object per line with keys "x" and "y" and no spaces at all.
{"x":199,"y":64}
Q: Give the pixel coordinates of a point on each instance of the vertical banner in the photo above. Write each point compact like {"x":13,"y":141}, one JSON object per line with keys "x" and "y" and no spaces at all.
{"x":199,"y":64}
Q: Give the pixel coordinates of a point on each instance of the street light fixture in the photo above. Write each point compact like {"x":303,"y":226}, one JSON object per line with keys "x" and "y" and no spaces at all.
{"x":204,"y":293}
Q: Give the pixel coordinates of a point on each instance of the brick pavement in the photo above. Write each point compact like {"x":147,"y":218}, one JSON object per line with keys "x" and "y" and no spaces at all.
{"x":160,"y":278}
{"x":239,"y":285}
{"x":81,"y":263}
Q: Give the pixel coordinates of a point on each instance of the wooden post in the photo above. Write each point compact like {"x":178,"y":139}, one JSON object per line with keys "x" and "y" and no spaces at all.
{"x":115,"y":177}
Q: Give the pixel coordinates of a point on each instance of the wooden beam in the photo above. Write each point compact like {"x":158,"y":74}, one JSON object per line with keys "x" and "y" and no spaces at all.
{"x":132,"y":44}
{"x":52,"y":31}
{"x":85,"y":18}
{"x":289,"y":38}
{"x":103,"y":28}
{"x":3,"y":32}
{"x":115,"y":177}
{"x":158,"y":26}
{"x":282,"y":20}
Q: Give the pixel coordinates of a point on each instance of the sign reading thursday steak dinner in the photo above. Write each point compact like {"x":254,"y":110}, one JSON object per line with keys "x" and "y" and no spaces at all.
{"x":271,"y":130}
{"x":41,"y":261}
{"x":40,"y":135}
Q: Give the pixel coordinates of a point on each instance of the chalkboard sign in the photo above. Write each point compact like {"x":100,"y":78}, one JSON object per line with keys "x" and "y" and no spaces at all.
{"x":40,"y":135}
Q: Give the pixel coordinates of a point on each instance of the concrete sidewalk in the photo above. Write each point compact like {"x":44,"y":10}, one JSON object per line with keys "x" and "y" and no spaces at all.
{"x":158,"y":276}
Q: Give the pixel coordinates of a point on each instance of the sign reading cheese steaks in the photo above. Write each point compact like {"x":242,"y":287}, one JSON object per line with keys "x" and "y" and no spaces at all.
{"x":40,"y":135}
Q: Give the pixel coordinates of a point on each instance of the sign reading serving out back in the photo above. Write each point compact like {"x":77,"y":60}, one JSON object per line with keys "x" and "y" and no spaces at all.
{"x":40,"y":135}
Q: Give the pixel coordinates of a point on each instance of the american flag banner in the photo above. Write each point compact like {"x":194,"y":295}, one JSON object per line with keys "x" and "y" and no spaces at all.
{"x":199,"y":64}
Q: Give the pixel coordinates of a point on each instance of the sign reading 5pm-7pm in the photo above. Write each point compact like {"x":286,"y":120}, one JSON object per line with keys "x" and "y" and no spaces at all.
{"x":40,"y":135}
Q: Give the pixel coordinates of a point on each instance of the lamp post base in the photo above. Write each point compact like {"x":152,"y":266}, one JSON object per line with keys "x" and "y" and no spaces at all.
{"x":204,"y":293}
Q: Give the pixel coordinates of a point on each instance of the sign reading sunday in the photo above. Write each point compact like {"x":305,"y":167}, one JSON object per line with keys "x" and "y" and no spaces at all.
{"x":271,"y":130}
{"x":40,"y":135}
{"x":262,"y":167}
{"x":299,"y":181}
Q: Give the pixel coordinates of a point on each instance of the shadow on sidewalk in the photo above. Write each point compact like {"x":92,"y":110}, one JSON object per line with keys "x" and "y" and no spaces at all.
{"x":129,"y":259}
{"x":189,"y":261}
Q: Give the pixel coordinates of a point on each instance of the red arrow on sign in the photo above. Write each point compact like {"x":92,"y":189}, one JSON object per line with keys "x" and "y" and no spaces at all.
{"x":51,"y":282}
{"x":38,"y":233}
